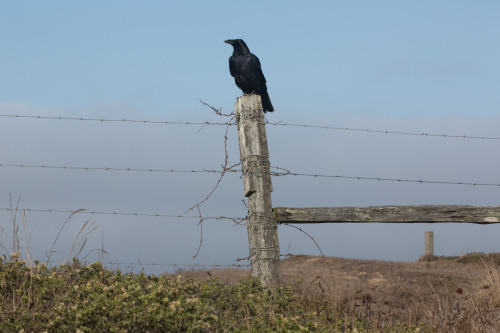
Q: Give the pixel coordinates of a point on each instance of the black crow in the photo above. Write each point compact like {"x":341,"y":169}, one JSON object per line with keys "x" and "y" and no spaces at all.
{"x":245,"y":68}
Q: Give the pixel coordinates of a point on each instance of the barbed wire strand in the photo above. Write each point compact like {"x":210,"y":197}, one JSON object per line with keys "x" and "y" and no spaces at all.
{"x":110,"y":168}
{"x":423,"y":134}
{"x":175,"y":265}
{"x":231,"y":170}
{"x":231,"y":123}
{"x":123,"y":120}
{"x":401,"y":180}
{"x":396,"y":265}
{"x":237,"y":220}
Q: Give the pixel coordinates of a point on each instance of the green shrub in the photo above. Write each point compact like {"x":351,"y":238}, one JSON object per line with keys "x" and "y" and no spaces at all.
{"x":91,"y":298}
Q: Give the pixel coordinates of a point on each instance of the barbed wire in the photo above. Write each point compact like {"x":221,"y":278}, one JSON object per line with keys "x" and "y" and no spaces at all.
{"x":423,"y":134}
{"x":403,"y":266}
{"x":231,"y":123}
{"x":273,"y":173}
{"x":34,"y":166}
{"x":395,"y":265}
{"x":225,"y":168}
{"x":123,"y":120}
{"x":175,"y":265}
{"x":401,"y":180}
{"x":237,"y":220}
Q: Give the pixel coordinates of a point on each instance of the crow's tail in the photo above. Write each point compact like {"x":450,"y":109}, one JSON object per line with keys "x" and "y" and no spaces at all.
{"x":266,"y":102}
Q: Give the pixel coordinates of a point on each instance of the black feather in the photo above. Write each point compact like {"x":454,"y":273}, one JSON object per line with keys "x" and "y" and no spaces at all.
{"x":247,"y":72}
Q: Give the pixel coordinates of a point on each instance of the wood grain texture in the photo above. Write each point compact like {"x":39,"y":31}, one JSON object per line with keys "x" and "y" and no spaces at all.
{"x":390,"y":214}
{"x":254,"y":154}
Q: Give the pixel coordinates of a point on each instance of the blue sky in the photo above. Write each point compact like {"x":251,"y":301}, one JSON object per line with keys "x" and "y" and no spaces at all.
{"x":372,"y":58}
{"x":406,"y":66}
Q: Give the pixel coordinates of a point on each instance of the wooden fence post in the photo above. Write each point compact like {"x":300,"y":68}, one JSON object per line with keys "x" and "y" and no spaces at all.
{"x":254,"y":154}
{"x":429,"y":245}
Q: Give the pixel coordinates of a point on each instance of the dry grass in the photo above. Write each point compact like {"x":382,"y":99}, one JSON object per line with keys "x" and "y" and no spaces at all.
{"x":480,"y":308}
{"x":16,"y":243}
{"x":447,"y":294}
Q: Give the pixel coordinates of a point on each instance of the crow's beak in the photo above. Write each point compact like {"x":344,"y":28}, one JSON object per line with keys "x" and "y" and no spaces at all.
{"x":228,"y":41}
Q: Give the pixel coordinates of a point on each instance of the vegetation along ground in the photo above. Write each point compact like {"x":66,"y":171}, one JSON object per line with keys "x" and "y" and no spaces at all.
{"x":459,"y":294}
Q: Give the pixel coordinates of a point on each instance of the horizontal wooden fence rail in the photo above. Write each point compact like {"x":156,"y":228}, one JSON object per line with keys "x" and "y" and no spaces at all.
{"x":390,"y":214}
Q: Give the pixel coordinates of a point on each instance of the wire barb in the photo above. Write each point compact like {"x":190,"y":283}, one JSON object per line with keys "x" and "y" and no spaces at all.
{"x":348,"y":129}
{"x":123,"y":120}
{"x":230,"y":169}
{"x":232,"y":123}
{"x":176,"y":265}
{"x":237,"y":220}
{"x":86,"y":168}
{"x":419,"y":181}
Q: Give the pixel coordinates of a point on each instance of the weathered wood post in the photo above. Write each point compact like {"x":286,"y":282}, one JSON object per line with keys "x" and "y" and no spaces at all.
{"x":254,"y":154}
{"x":429,"y":245}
